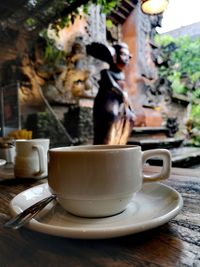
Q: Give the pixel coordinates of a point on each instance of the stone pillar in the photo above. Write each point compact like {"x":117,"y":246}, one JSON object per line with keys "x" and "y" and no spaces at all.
{"x":96,"y":25}
{"x":142,"y":71}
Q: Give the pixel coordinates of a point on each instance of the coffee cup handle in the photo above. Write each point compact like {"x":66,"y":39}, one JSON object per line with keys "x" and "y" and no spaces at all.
{"x":41,"y":156}
{"x":165,"y":155}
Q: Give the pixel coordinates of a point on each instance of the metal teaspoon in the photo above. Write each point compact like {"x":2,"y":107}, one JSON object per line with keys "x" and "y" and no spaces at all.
{"x":26,"y":215}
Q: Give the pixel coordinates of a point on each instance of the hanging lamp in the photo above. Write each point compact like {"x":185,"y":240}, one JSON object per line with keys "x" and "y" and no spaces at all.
{"x":153,"y":7}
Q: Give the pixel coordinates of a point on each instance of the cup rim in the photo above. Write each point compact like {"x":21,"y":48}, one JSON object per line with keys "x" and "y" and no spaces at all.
{"x":31,"y":140}
{"x":93,"y":148}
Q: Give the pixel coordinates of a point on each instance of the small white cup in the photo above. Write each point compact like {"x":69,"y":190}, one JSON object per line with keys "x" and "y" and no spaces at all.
{"x":8,"y":153}
{"x":31,"y":158}
{"x":100,"y":180}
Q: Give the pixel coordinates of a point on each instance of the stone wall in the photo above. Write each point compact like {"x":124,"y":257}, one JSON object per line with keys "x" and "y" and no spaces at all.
{"x":17,"y":64}
{"x":79,"y":123}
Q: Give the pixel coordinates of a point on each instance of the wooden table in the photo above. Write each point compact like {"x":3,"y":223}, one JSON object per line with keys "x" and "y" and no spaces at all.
{"x":176,"y":243}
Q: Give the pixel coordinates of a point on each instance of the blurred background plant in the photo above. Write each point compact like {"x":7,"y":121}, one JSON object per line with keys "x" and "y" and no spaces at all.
{"x":181,"y":66}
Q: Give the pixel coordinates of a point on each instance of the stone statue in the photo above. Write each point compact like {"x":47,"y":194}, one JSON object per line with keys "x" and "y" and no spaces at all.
{"x":172,"y":125}
{"x":112,"y":112}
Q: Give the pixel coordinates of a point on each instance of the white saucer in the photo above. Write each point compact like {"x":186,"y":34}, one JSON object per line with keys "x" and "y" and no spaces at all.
{"x":153,"y":206}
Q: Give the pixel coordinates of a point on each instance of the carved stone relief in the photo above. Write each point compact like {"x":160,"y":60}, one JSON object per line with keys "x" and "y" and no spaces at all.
{"x":145,"y":64}
{"x":96,"y":25}
{"x":79,"y":77}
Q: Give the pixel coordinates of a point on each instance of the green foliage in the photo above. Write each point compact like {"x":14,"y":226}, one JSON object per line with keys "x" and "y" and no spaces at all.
{"x":106,"y":5}
{"x":109,"y":23}
{"x":193,"y":125}
{"x":181,"y":61}
{"x":30,"y":22}
{"x":182,"y":68}
{"x":177,"y":86}
{"x":163,"y":40}
{"x":52,"y":54}
{"x":195,"y":112}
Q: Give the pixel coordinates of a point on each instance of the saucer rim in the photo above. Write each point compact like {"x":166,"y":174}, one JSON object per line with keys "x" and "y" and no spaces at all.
{"x":110,"y":232}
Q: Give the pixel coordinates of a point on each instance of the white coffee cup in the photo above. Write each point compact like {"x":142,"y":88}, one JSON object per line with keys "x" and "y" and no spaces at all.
{"x":100,"y":180}
{"x":8,"y":153}
{"x":31,"y":158}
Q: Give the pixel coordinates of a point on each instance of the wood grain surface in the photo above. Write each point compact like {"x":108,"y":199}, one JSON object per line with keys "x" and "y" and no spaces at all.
{"x":176,"y":243}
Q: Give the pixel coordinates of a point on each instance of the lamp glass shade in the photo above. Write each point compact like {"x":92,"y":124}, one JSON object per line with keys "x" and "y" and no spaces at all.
{"x":154,"y":6}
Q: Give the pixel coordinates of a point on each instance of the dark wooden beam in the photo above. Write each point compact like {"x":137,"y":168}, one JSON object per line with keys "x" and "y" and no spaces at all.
{"x":122,"y":11}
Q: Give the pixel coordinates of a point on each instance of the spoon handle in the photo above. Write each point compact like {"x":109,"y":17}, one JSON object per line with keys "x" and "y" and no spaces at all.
{"x":26,"y":215}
